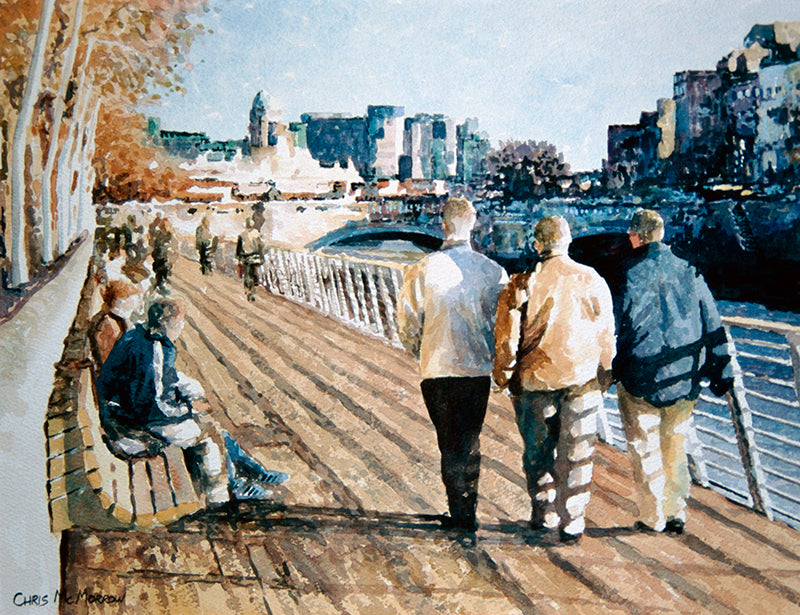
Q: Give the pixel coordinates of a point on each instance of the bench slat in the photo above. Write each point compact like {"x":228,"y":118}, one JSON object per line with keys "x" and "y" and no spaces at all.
{"x":59,"y":444}
{"x":112,"y":482}
{"x":186,"y":500}
{"x":160,"y":489}
{"x":143,"y":511}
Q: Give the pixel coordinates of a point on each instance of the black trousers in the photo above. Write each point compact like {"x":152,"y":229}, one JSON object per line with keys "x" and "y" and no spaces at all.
{"x":457,"y":407}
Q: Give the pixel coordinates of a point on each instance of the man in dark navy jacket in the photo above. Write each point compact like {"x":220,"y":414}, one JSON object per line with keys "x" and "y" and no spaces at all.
{"x":143,"y":396}
{"x":669,"y":337}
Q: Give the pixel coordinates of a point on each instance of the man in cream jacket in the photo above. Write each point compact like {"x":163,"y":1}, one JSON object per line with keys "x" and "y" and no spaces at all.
{"x":555,"y":343}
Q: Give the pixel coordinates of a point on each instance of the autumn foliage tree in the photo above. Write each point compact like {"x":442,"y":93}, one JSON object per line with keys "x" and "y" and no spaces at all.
{"x":519,"y":171}
{"x":73,"y":72}
{"x":140,"y":171}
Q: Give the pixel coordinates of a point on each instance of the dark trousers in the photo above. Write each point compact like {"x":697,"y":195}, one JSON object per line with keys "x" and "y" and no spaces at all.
{"x":457,"y":407}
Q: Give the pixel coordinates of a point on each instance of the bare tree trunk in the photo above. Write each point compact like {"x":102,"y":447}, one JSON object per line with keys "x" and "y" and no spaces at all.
{"x":63,"y":181}
{"x":85,"y":178}
{"x":19,"y":263}
{"x":58,"y":114}
{"x":68,"y":160}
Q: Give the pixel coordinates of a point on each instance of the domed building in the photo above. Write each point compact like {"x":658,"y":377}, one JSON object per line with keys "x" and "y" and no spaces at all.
{"x":265,"y":116}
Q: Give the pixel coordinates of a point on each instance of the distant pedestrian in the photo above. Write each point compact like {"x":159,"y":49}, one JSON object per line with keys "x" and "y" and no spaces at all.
{"x":669,"y":337}
{"x":446,"y":312}
{"x":250,"y":253}
{"x":555,"y":343}
{"x":164,"y":252}
{"x":206,"y":244}
{"x":135,"y":250}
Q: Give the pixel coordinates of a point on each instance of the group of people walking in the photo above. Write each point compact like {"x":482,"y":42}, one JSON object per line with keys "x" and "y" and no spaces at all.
{"x":249,"y":253}
{"x":553,"y":336}
{"x":556,"y":340}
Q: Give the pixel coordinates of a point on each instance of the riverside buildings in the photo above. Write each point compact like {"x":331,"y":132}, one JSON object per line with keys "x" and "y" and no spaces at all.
{"x":737,"y":123}
{"x":384,"y":144}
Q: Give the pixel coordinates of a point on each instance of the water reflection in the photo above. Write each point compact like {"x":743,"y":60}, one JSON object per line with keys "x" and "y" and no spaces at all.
{"x":386,"y":250}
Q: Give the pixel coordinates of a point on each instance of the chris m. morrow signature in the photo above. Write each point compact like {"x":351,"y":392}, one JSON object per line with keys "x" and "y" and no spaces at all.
{"x":83,"y":595}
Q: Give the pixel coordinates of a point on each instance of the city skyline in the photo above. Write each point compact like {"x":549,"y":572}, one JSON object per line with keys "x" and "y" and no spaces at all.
{"x":560,"y":72}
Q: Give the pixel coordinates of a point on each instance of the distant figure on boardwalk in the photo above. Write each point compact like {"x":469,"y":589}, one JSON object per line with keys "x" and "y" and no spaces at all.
{"x":250,"y":253}
{"x":164,"y":251}
{"x":555,"y":344}
{"x":151,"y":229}
{"x":206,"y":244}
{"x":669,"y":337}
{"x":144,"y":399}
{"x":446,"y":312}
{"x":135,"y":250}
{"x":120,"y":300}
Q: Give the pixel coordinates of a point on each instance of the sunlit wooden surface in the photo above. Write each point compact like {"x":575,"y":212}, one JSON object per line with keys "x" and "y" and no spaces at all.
{"x":354,"y":530}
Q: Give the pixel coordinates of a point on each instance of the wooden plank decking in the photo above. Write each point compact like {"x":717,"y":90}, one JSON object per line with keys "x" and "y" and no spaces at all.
{"x":353,"y":531}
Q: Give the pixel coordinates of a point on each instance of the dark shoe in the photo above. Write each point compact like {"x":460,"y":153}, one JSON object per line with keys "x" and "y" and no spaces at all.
{"x":675,"y":526}
{"x":642,"y":527}
{"x":536,"y":525}
{"x":465,"y":525}
{"x":567,"y":538}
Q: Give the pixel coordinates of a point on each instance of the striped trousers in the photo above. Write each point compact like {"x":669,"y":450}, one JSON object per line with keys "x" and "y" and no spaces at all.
{"x":657,"y":446}
{"x":558,"y":430}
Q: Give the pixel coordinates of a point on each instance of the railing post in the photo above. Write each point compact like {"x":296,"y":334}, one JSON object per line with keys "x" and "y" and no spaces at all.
{"x":388,"y":302}
{"x":369,"y":272}
{"x":300,"y":281}
{"x":794,"y":351}
{"x":323,"y":264}
{"x":694,"y":453}
{"x":338,"y":284}
{"x":336,"y":296}
{"x":361,"y":295}
{"x":743,"y":424}
{"x":269,"y":272}
{"x":291,"y":277}
{"x":308,"y":275}
{"x":321,"y":275}
{"x":286,"y":274}
{"x":351,"y":293}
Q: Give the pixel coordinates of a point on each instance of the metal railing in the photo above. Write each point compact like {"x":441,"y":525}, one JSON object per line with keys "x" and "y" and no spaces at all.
{"x":746,"y":445}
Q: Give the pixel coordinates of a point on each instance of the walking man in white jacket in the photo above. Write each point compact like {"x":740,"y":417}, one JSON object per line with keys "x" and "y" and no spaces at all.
{"x":446,"y":312}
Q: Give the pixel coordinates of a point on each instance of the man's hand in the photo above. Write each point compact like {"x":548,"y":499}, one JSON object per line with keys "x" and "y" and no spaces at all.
{"x":201,"y":407}
{"x":721,"y":386}
{"x":189,"y":388}
{"x":605,"y":377}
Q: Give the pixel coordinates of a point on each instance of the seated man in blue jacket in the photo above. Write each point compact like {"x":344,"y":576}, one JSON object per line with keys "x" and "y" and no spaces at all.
{"x":669,"y":337}
{"x":143,"y":398}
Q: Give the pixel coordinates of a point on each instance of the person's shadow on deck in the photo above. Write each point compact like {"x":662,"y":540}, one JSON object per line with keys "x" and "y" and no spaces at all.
{"x":264,"y":516}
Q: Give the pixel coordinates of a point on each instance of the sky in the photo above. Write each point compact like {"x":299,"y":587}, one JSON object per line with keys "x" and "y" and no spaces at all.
{"x":560,"y":72}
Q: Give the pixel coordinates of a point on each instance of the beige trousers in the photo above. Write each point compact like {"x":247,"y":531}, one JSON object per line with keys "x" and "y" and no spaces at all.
{"x":200,"y":439}
{"x":657,"y":446}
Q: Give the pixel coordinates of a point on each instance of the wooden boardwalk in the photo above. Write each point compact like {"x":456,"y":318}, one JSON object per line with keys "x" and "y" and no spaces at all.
{"x":355,"y":530}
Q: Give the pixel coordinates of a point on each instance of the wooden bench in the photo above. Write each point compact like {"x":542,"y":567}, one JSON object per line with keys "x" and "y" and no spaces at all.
{"x":87,"y":485}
